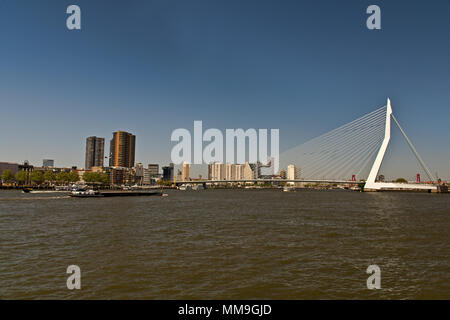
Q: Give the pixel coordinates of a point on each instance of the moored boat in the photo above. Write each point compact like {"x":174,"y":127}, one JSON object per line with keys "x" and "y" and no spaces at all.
{"x":86,"y":194}
{"x":185,"y":187}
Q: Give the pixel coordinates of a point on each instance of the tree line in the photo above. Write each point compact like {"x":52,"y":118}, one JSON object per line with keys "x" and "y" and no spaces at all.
{"x":39,"y":177}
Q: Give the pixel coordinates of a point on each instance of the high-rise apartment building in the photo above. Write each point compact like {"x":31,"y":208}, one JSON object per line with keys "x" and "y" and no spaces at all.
{"x":122,"y":149}
{"x":95,"y":152}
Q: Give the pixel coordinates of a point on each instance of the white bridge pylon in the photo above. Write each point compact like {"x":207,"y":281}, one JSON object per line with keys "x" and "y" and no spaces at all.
{"x":371,"y":183}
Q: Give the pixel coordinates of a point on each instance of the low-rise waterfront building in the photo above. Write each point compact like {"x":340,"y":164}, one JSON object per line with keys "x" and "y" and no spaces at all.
{"x":186,"y":171}
{"x":218,"y":171}
{"x":153,"y":170}
{"x":251,"y":170}
{"x":168,"y":172}
{"x":292,"y":173}
{"x":139,"y":173}
{"x":237,"y":171}
{"x":13,"y":167}
{"x":48,"y":163}
{"x":121,"y":175}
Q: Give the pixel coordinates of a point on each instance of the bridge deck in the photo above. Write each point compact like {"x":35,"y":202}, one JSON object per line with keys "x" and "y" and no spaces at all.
{"x":269,"y":181}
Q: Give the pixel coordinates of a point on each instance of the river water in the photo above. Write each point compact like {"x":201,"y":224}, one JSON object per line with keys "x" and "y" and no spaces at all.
{"x":226,"y":244}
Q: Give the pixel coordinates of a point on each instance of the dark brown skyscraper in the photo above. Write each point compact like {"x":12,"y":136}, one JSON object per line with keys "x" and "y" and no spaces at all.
{"x":122,"y":149}
{"x":95,"y":152}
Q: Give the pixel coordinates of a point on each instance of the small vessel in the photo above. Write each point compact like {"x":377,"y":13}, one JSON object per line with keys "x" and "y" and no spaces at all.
{"x":198,"y":187}
{"x":86,"y":194}
{"x":70,"y":188}
{"x":253,"y":187}
{"x":185,"y":187}
{"x":289,"y":189}
{"x":32,"y":191}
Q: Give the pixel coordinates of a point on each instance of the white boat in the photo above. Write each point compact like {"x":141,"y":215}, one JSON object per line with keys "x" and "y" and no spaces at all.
{"x":198,"y":187}
{"x":58,"y":189}
{"x":289,"y":189}
{"x":48,"y":191}
{"x":86,"y":194}
{"x":185,"y":187}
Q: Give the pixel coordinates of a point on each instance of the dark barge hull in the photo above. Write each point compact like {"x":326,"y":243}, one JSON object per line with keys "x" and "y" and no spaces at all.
{"x":118,"y":194}
{"x":130,"y":194}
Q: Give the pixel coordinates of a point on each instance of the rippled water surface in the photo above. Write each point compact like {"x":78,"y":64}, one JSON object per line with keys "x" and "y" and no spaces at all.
{"x":226,"y":244}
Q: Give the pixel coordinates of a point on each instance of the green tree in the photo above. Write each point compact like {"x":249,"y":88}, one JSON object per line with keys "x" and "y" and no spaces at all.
{"x":7,"y":176}
{"x":401,"y":180}
{"x":22,"y":176}
{"x":73,"y":176}
{"x":104,"y":178}
{"x":87,"y":176}
{"x":62,"y":176}
{"x":49,"y":176}
{"x":37,"y":177}
{"x":95,"y":177}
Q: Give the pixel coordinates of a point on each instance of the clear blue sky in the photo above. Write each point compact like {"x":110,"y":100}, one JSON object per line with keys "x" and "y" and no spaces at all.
{"x":150,"y":67}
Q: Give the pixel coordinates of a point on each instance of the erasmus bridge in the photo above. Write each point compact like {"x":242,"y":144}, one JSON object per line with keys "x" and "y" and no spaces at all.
{"x":350,"y":153}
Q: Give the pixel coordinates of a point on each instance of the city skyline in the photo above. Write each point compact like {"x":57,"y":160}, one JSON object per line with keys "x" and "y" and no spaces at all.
{"x":303,"y":69}
{"x":124,"y":143}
